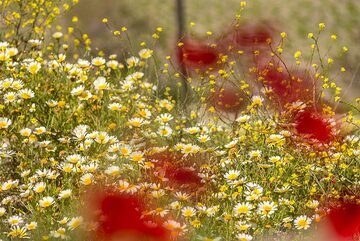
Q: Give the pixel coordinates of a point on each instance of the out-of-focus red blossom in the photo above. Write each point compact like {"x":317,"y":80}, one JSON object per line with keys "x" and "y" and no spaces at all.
{"x":228,"y":99}
{"x":313,"y":125}
{"x":344,"y":219}
{"x":175,"y":170}
{"x":183,"y":175}
{"x":248,"y":35}
{"x":119,"y":216}
{"x":287,"y":87}
{"x":194,"y":54}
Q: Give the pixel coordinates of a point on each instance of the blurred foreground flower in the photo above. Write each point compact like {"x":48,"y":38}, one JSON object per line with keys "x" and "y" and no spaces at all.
{"x":314,"y":126}
{"x":194,"y":54}
{"x":119,"y":216}
{"x":344,"y":220}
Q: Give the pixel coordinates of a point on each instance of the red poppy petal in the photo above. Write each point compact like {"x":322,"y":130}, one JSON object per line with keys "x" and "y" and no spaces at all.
{"x":345,"y":219}
{"x":314,"y":125}
{"x":193,"y":54}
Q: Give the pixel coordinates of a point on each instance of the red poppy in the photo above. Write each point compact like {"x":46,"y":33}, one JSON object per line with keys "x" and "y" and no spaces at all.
{"x":183,"y":175}
{"x":253,"y":34}
{"x":120,"y":218}
{"x":176,"y":171}
{"x":194,"y":54}
{"x":345,"y":220}
{"x":247,"y":36}
{"x":287,"y":87}
{"x":313,"y":125}
{"x":228,"y":99}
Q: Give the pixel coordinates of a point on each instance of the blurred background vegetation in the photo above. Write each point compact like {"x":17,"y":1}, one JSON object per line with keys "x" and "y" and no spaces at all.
{"x":296,"y":17}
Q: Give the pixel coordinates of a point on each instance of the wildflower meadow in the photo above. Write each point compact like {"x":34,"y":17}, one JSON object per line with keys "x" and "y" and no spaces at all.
{"x":231,"y":135}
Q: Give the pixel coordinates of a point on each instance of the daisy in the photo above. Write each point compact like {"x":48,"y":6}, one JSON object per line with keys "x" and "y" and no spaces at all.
{"x":115,"y":106}
{"x":188,"y":212}
{"x":267,"y":208}
{"x":276,"y":140}
{"x":136,"y":122}
{"x":35,"y":42}
{"x":2,"y":211}
{"x":75,"y":222}
{"x":203,"y":138}
{"x":182,"y":196}
{"x":164,"y":118}
{"x":74,"y":158}
{"x":231,"y":144}
{"x":78,"y":90}
{"x":26,"y":94}
{"x":80,"y":132}
{"x":313,"y":204}
{"x":17,"y":231}
{"x":91,"y":167}
{"x":242,"y":226}
{"x":125,"y":150}
{"x":86,"y":179}
{"x":257,"y":100}
{"x":52,"y":103}
{"x":101,"y":84}
{"x":113,"y":171}
{"x":243,"y":118}
{"x":33,"y":67}
{"x":190,"y":149}
{"x":192,"y":130}
{"x":255,"y":154}
{"x":137,"y":156}
{"x":59,"y":233}
{"x":123,"y":185}
{"x":145,"y":53}
{"x":12,"y":51}
{"x":98,"y":61}
{"x":10,"y":97}
{"x":4,"y":56}
{"x":132,"y":62}
{"x":82,"y":63}
{"x":174,"y":226}
{"x":165,"y":131}
{"x":134,"y":76}
{"x":244,"y":237}
{"x":6,"y":83}
{"x":113,"y":64}
{"x":232,"y":175}
{"x":145,"y":113}
{"x":4,"y":45}
{"x":102,"y":137}
{"x":39,"y":187}
{"x":31,"y":226}
{"x":46,"y":202}
{"x":17,"y":85}
{"x":242,"y":208}
{"x":26,"y":132}
{"x":302,"y":222}
{"x":57,"y":35}
{"x":127,"y":85}
{"x":65,"y":193}
{"x":15,"y":220}
{"x":166,"y":104}
{"x":274,"y":159}
{"x":5,"y":123}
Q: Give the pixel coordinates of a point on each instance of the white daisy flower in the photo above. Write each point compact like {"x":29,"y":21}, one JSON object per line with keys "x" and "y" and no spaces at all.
{"x":302,"y":222}
{"x":101,"y":84}
{"x":46,"y":202}
{"x":267,"y":208}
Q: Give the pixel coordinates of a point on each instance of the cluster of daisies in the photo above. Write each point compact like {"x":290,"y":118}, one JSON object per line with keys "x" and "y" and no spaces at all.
{"x":69,"y":124}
